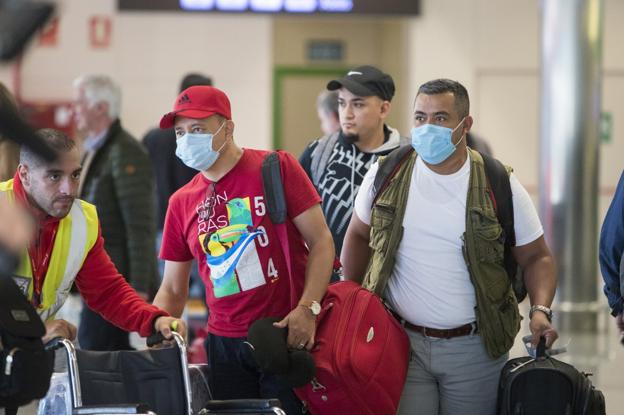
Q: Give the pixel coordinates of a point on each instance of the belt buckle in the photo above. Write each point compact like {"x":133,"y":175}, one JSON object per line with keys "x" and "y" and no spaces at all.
{"x":473,"y":329}
{"x":424,"y":331}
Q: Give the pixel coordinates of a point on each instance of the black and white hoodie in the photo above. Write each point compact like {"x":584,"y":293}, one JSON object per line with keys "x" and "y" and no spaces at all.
{"x":337,"y":167}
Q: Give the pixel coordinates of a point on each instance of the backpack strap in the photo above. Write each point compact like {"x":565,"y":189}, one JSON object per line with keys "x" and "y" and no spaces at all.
{"x":274,"y":188}
{"x":321,"y":154}
{"x":500,"y":189}
{"x":276,"y":202}
{"x":500,"y":193}
{"x":388,"y":166}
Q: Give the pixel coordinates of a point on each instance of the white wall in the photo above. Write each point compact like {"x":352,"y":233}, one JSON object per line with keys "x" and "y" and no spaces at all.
{"x":149,"y":54}
{"x":493,"y":48}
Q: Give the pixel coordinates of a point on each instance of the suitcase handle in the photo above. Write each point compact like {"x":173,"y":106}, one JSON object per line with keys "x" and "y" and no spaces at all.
{"x":540,"y":350}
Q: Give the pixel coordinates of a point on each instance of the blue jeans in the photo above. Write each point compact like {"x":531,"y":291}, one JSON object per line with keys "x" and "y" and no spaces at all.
{"x":234,"y":374}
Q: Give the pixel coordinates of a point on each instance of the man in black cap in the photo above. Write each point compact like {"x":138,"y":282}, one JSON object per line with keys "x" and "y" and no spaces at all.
{"x":337,"y":163}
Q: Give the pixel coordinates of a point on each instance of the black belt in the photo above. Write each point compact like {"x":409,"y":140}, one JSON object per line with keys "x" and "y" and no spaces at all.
{"x":465,"y":330}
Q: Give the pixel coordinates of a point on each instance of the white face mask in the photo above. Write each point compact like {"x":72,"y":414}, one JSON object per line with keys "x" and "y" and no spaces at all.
{"x":195,"y":150}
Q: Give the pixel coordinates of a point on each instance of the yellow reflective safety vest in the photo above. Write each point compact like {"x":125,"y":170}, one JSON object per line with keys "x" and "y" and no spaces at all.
{"x":76,"y":235}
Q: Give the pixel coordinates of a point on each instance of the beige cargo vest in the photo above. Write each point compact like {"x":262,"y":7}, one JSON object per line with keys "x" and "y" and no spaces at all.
{"x":497,"y":312}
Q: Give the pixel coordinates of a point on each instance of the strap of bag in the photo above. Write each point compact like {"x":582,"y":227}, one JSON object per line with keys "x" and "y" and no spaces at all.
{"x":273,"y":188}
{"x":498,"y":179}
{"x":388,"y":167}
{"x":321,"y":154}
{"x":502,"y":198}
{"x":276,"y":202}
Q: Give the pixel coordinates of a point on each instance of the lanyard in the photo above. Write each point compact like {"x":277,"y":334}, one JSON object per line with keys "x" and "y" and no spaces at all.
{"x":38,"y":264}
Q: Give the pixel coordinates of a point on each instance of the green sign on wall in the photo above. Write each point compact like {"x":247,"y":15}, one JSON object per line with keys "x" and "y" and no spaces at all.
{"x":606,"y":127}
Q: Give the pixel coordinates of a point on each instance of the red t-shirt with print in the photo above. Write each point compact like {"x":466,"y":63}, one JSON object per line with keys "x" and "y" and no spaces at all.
{"x":226,"y":227}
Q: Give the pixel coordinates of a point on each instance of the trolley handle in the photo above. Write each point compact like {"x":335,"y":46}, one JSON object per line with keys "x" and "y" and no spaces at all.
{"x":154,"y":339}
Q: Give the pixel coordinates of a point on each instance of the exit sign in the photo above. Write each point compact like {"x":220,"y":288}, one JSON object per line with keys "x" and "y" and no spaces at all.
{"x":325,"y":50}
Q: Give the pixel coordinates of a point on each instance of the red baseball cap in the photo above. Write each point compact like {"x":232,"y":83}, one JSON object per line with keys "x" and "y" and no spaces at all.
{"x":198,"y":102}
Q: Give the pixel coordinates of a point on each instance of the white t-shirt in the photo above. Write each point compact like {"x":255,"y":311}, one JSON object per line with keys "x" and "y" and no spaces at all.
{"x":430,"y":285}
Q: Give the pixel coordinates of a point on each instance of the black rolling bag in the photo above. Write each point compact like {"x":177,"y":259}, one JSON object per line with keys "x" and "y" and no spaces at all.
{"x":546,"y":386}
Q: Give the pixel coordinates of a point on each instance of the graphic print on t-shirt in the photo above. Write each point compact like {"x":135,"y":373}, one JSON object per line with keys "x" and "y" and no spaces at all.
{"x":231,"y":252}
{"x":339,"y":184}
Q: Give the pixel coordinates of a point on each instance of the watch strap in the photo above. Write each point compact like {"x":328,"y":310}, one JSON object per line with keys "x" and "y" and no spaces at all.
{"x":543,"y":309}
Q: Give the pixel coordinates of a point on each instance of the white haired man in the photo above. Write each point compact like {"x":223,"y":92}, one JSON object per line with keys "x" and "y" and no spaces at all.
{"x":117,"y":178}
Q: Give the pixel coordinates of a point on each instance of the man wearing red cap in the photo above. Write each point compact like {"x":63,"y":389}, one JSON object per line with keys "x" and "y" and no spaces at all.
{"x":220,"y":218}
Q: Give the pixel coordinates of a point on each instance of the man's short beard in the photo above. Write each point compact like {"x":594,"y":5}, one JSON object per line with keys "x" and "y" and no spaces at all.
{"x":351,"y":138}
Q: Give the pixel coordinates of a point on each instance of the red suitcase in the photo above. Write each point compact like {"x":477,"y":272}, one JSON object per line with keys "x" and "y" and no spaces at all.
{"x":361,"y":355}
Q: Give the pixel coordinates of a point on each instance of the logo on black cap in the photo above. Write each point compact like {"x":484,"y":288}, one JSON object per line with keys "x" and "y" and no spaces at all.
{"x":365,"y":81}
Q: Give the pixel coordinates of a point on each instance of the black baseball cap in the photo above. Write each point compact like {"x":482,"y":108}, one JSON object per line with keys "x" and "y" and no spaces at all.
{"x":365,"y":81}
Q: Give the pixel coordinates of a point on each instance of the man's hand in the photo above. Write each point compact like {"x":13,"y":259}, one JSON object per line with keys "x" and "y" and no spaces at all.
{"x":540,"y":326}
{"x":301,"y":325}
{"x":165,"y":325}
{"x":59,"y":328}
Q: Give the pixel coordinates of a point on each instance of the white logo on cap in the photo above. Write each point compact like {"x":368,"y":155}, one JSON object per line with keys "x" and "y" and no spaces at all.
{"x":354,"y":73}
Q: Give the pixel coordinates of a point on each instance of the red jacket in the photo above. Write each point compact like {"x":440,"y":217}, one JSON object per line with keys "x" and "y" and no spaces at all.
{"x":102,"y":287}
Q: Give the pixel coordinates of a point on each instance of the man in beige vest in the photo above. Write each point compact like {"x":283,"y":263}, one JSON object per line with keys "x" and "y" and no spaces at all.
{"x":441,"y":269}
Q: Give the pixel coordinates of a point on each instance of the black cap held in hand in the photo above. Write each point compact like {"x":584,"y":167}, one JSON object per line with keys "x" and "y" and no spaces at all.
{"x":270,"y":351}
{"x":365,"y":81}
{"x":269,"y":345}
{"x":302,"y":369}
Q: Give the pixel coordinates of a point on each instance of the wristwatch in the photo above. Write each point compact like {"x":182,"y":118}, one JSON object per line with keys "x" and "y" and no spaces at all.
{"x":314,"y":307}
{"x":543,"y":309}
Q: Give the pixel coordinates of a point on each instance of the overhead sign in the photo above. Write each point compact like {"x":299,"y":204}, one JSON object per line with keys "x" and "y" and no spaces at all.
{"x":325,"y":50}
{"x":403,"y":7}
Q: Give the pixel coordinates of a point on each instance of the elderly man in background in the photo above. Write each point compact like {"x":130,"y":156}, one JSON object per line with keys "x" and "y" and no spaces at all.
{"x":117,"y":178}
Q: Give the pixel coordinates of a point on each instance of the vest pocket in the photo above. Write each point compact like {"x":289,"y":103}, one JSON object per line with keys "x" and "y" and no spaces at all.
{"x":490,"y":254}
{"x":499,"y":323}
{"x":489,"y":236}
{"x":381,"y":226}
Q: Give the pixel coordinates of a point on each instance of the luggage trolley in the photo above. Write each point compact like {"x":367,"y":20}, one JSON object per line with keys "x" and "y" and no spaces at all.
{"x":155,"y":381}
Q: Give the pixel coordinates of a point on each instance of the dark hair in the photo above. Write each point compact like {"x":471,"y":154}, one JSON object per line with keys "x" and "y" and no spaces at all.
{"x":194,"y":79}
{"x":441,"y":86}
{"x":55,"y":139}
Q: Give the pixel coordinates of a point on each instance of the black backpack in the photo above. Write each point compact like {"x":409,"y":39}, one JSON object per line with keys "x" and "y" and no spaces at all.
{"x":500,"y":193}
{"x":25,"y":367}
{"x":546,"y":386}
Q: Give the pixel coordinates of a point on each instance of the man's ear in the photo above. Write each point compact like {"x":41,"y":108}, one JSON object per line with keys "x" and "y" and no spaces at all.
{"x":229,"y":129}
{"x":467,"y":124}
{"x":23,"y":173}
{"x":385,"y":109}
